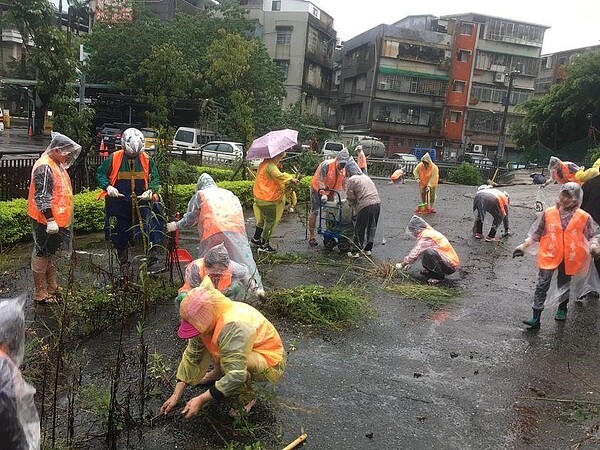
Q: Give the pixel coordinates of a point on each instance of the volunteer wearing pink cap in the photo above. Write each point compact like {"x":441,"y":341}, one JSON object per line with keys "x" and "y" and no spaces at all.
{"x":243,"y":343}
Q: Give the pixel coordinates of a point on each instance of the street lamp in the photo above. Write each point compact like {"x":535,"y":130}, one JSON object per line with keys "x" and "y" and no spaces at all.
{"x":506,"y":103}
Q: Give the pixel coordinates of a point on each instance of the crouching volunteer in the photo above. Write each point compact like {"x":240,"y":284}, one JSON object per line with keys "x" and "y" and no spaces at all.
{"x":438,"y":256}
{"x":130,"y":181}
{"x":50,"y":207}
{"x":245,"y":346}
{"x":219,"y":218}
{"x":231,"y":278}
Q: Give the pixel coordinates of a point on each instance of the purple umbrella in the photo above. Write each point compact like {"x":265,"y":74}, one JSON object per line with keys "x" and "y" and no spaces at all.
{"x":272,"y":144}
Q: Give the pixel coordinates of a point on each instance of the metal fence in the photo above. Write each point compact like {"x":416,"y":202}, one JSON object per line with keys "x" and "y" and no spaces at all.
{"x":385,"y":167}
{"x":15,"y":175}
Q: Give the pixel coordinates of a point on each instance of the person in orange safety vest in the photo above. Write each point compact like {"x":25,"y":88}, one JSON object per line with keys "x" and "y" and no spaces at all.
{"x":438,"y":256}
{"x":561,"y":172}
{"x":219,"y":218}
{"x":492,"y":201}
{"x":330,"y":175}
{"x":563,"y":232}
{"x":269,"y":200}
{"x":50,"y":208}
{"x":361,"y":159}
{"x":244,"y":345}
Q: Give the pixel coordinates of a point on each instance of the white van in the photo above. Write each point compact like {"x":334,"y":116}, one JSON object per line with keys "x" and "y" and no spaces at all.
{"x":187,"y":139}
{"x":332,"y":148}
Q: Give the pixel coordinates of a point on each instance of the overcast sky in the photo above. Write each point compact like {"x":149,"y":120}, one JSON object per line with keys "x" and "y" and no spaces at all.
{"x":574,"y":23}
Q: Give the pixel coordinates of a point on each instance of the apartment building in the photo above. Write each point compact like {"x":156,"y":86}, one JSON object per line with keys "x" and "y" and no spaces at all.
{"x":552,"y":67}
{"x":300,"y":38}
{"x":439,"y":82}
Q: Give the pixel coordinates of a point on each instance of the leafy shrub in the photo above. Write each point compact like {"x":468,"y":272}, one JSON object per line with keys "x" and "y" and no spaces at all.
{"x":217,"y":174}
{"x":466,"y":174}
{"x":89,"y":211}
{"x":181,"y":172}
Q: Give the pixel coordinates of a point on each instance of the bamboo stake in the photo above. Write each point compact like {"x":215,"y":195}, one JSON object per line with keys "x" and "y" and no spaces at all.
{"x":299,"y":440}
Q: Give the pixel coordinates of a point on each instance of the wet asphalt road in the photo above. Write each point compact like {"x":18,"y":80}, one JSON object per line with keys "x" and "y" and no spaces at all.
{"x":410,"y":377}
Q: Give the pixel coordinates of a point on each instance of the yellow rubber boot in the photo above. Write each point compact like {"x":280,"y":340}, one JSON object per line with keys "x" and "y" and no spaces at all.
{"x":39,"y":266}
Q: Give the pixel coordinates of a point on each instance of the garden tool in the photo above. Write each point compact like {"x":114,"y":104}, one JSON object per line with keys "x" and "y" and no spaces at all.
{"x":176,"y":255}
{"x":423,"y":207}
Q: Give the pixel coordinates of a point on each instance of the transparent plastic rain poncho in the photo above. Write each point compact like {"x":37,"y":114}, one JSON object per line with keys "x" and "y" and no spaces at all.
{"x":236,"y":243}
{"x":218,"y":264}
{"x":555,"y":166}
{"x":586,"y":280}
{"x":64,"y":152}
{"x":487,"y":200}
{"x":246,"y":346}
{"x":19,"y":419}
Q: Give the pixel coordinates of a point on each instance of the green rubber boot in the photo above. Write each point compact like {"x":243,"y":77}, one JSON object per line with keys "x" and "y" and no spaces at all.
{"x":533,"y":324}
{"x":561,"y":314}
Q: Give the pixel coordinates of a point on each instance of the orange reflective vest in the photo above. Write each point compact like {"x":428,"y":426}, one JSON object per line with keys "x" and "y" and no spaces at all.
{"x":361,"y":160}
{"x":220,"y":211}
{"x":198,"y":265}
{"x":568,"y":245}
{"x":334,"y":180}
{"x":565,"y":174}
{"x":117,"y":160}
{"x":444,"y":246}
{"x":266,"y":188}
{"x":267,"y":342}
{"x":62,"y":195}
{"x":502,"y":200}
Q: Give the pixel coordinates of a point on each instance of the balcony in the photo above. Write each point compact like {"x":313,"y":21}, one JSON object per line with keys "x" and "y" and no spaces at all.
{"x":9,"y":35}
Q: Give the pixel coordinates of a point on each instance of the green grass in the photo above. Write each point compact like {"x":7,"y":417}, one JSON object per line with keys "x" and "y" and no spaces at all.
{"x":334,"y":307}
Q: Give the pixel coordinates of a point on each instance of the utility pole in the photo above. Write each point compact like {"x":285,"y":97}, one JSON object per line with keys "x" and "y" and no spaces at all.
{"x":506,"y":102}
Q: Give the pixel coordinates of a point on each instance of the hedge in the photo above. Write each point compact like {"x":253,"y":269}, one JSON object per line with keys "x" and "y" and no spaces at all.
{"x":89,"y":212}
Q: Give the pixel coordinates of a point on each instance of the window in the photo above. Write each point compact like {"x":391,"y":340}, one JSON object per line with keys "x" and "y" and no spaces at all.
{"x":466,"y":28}
{"x":455,"y":116}
{"x":390,"y":48}
{"x":276,"y":5}
{"x":463,"y":55}
{"x":284,"y":35}
{"x":459,"y":86}
{"x":414,"y":85}
{"x":284,"y":65}
{"x":313,"y":40}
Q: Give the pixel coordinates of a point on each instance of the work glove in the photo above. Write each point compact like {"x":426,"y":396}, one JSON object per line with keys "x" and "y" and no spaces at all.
{"x":323,"y":198}
{"x":402,"y":266}
{"x":180,"y":298}
{"x":260,"y":294}
{"x":171,"y":226}
{"x":113,"y":192}
{"x":427,"y":188}
{"x":146,"y":195}
{"x":52,"y":227}
{"x":519,"y":251}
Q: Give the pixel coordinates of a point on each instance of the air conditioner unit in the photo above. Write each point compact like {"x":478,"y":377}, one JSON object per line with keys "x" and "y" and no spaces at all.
{"x":478,"y":148}
{"x":384,"y":86}
{"x":499,"y":77}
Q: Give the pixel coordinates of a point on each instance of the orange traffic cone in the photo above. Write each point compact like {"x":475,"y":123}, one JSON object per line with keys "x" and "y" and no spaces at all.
{"x":103,"y":149}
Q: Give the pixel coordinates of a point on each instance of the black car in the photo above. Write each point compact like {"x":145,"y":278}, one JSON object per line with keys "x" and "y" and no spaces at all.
{"x":111,"y":134}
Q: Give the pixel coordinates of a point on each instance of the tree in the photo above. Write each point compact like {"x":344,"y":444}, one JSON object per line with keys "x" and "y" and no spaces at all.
{"x":559,"y":118}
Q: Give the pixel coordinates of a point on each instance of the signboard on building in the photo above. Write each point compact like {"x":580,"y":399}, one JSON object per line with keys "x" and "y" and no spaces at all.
{"x":114,"y":11}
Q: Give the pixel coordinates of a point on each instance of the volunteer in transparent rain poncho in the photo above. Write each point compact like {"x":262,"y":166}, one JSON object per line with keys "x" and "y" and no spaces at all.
{"x":229,"y":277}
{"x":245,"y":346}
{"x":438,"y":256}
{"x":50,"y":207}
{"x":219,"y":217}
{"x":561,"y":172}
{"x":19,"y":421}
{"x":489,"y":200}
{"x":561,"y":236}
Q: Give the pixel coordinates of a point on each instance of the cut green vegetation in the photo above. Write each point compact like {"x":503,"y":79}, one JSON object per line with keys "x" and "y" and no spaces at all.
{"x":333,"y":307}
{"x":437,"y":297}
{"x":281,"y":258}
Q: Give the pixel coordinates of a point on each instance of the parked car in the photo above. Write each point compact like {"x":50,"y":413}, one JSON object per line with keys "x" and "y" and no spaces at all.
{"x":111,"y":134}
{"x":332,"y":148}
{"x":150,"y":138}
{"x":477,"y":159}
{"x":187,"y":138}
{"x":220,"y":150}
